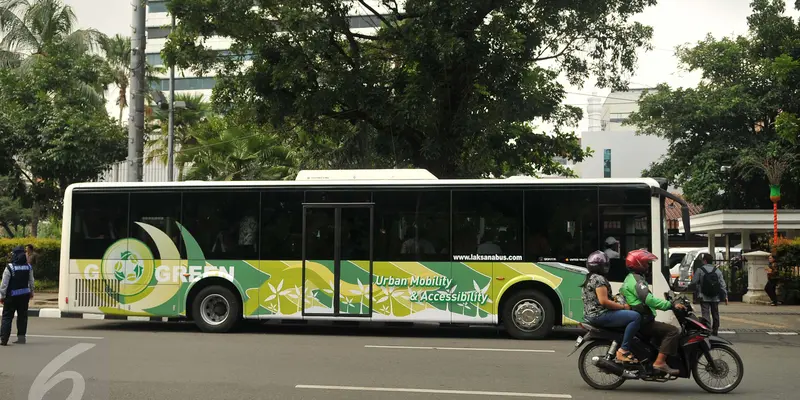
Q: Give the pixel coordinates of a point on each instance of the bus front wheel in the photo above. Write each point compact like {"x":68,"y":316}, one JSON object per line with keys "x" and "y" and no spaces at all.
{"x":528,"y":314}
{"x":216,"y":309}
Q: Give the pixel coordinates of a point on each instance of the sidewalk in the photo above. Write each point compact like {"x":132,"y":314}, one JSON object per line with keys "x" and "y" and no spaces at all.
{"x":743,"y":317}
{"x":44,"y":300}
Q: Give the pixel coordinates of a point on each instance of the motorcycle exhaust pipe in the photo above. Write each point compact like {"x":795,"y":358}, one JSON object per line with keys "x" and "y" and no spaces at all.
{"x":612,"y":367}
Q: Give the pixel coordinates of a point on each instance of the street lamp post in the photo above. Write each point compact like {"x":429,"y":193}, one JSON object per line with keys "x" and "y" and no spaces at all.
{"x":171,"y":140}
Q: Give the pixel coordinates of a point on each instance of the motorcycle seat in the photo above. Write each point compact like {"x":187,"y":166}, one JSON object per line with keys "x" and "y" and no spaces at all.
{"x":607,"y":329}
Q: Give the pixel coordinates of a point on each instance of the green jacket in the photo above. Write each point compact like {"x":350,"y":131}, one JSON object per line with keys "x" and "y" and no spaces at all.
{"x":636,"y":292}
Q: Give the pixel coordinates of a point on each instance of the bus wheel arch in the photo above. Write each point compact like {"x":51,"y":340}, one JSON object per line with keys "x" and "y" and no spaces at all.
{"x":219,"y":294}
{"x":530,"y":298}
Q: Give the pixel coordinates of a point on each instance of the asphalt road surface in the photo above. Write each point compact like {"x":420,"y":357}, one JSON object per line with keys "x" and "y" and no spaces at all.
{"x":151,"y":360}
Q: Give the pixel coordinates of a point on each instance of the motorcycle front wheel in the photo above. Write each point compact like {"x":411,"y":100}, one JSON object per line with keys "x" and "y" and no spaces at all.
{"x":726,"y":375}
{"x":593,"y":375}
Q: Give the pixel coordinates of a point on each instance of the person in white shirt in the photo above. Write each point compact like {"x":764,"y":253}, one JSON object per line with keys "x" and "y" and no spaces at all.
{"x":612,"y":244}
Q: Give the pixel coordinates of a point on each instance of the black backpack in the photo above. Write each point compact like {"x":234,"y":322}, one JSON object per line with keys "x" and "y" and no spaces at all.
{"x":710,"y":286}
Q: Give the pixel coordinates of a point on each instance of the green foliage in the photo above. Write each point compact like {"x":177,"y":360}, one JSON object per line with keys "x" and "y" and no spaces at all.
{"x":788,"y":126}
{"x":745,"y":99}
{"x":450,"y":86}
{"x":185,"y":122}
{"x":29,"y":27}
{"x":788,"y":259}
{"x":49,"y":251}
{"x":771,"y":160}
{"x":56,"y":135}
{"x":225,"y":150}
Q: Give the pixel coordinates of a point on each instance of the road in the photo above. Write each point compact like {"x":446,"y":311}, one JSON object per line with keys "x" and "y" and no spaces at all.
{"x":152,"y":360}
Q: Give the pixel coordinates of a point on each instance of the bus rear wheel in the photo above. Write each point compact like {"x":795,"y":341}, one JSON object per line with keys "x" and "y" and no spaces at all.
{"x":528,"y":314}
{"x":216,"y":309}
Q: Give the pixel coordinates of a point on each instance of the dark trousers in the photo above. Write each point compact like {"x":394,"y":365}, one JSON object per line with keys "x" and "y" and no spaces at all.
{"x":770,"y":289}
{"x":712,"y":308}
{"x":668,"y":334}
{"x":18,"y":304}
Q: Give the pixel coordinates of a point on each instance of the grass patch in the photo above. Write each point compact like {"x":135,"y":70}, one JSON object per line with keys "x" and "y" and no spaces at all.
{"x":45,"y":286}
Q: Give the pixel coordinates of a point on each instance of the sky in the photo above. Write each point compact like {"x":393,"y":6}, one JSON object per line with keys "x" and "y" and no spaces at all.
{"x":675,"y":22}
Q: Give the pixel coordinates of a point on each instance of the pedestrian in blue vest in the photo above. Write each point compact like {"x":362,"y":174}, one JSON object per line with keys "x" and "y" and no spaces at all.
{"x":16,"y":291}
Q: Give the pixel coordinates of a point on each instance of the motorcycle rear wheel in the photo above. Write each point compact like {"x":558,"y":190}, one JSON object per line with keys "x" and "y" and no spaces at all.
{"x":598,"y":348}
{"x":737,"y":360}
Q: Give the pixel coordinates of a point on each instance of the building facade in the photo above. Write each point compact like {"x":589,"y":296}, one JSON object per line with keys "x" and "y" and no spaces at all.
{"x":619,"y":152}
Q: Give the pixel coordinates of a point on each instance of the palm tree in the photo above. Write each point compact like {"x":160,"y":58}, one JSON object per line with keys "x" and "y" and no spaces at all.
{"x":773,"y":162}
{"x":118,"y":54}
{"x":185,"y":125}
{"x":228,"y":152}
{"x":28,"y":27}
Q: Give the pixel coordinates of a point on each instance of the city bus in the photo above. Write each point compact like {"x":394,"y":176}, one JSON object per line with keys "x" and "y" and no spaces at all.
{"x":354,"y":245}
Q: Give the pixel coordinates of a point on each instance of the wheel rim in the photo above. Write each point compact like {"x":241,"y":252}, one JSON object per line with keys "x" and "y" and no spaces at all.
{"x":594,"y":373}
{"x":214,"y":309}
{"x":726,"y":373}
{"x":528,"y":315}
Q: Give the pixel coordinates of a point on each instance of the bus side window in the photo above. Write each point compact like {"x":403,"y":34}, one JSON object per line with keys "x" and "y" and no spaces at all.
{"x":98,"y":220}
{"x":420,"y":224}
{"x":487,"y":222}
{"x":224,"y":224}
{"x":560,"y":224}
{"x":281,"y":225}
{"x":625,"y":226}
{"x":159,"y":209}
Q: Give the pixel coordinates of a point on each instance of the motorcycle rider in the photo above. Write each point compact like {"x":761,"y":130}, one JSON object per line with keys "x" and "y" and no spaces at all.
{"x":601,"y":310}
{"x":638,"y":296}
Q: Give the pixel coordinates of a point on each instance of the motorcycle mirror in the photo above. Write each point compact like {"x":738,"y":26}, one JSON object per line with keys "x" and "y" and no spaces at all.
{"x":675,"y":286}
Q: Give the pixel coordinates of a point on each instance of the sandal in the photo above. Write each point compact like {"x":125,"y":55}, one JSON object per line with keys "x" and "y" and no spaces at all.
{"x":626,"y":356}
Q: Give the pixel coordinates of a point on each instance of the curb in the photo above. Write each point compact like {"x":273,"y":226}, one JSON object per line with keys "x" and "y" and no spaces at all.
{"x":56,"y":313}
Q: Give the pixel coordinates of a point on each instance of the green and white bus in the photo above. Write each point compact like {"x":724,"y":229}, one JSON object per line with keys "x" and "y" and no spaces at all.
{"x":353,"y":245}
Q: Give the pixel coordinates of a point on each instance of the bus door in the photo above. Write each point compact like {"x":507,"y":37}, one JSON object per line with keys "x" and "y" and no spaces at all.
{"x":337,"y":259}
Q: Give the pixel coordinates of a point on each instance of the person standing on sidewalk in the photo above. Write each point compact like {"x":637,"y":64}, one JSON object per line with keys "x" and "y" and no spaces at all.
{"x":772,"y":280}
{"x":30,"y":253}
{"x":712,"y":289}
{"x":16,"y":291}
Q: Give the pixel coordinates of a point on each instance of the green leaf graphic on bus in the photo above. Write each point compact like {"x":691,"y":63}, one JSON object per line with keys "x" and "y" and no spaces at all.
{"x":128,"y":268}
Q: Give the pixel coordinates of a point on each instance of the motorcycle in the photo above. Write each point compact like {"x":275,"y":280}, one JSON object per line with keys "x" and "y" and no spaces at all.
{"x":694,"y":358}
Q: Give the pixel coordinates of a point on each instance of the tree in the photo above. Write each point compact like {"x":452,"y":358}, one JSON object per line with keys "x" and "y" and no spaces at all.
{"x":58,"y":137}
{"x":226,"y":150}
{"x":118,"y":54}
{"x":12,"y":212}
{"x":772,"y":161}
{"x":117,"y":50}
{"x":28,"y":27}
{"x":747,"y":82}
{"x":453,"y":87}
{"x":184,"y":126}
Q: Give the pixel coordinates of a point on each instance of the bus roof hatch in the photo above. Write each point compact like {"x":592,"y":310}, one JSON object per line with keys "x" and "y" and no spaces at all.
{"x":364,"y":174}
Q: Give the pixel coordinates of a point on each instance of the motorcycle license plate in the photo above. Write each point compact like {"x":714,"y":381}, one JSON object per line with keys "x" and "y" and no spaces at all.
{"x":579,"y":341}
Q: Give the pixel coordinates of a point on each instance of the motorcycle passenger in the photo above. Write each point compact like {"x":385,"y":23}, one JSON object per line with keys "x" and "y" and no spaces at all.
{"x":601,"y":310}
{"x":638,"y":296}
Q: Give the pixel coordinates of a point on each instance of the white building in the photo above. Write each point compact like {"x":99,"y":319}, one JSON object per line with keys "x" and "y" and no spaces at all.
{"x":158,"y":24}
{"x":618,"y":151}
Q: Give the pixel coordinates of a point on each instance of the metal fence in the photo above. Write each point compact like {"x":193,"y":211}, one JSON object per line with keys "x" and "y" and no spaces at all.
{"x":155,"y":171}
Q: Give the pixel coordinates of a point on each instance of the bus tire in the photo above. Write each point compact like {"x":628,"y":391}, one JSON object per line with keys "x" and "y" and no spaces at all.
{"x":528,"y":314}
{"x":216,"y":309}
